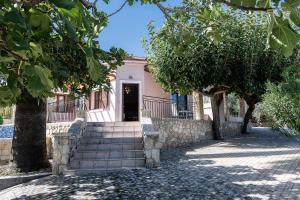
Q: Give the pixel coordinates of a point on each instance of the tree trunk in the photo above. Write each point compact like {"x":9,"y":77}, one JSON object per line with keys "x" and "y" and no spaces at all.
{"x":226,"y":107}
{"x":248,"y":115}
{"x":29,"y":141}
{"x":216,"y":100}
{"x":242,"y":107}
{"x":198,"y":100}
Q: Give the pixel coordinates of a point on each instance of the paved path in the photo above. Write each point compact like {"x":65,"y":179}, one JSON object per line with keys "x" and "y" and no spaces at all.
{"x":261,"y":165}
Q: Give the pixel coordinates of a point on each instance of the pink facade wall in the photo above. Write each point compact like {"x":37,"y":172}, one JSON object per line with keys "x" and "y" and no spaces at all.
{"x":152,"y":88}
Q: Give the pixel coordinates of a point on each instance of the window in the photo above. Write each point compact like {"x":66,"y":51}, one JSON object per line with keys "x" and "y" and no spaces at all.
{"x":61,"y":101}
{"x":97,"y":100}
{"x":100,"y":100}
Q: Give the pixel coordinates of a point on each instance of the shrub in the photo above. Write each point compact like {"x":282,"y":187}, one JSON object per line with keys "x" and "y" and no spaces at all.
{"x":1,"y":120}
{"x":281,"y":103}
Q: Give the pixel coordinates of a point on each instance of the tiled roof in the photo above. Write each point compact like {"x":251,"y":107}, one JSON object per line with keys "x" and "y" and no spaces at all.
{"x":136,"y":58}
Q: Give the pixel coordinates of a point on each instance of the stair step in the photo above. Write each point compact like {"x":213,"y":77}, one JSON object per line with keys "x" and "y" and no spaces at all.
{"x":112,"y":134}
{"x":102,"y":124}
{"x":109,"y":154}
{"x":107,"y":163}
{"x":98,"y":170}
{"x":118,"y":140}
{"x":114,"y":128}
{"x":114,"y":146}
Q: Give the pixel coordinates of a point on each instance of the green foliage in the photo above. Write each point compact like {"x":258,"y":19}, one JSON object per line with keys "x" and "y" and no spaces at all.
{"x":283,"y":19}
{"x":233,"y":104}
{"x":45,"y":45}
{"x":1,"y":120}
{"x":281,"y":103}
{"x":240,"y":62}
{"x":6,"y":112}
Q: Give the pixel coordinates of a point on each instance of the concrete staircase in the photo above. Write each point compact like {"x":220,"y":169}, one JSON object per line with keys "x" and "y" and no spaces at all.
{"x":109,"y":146}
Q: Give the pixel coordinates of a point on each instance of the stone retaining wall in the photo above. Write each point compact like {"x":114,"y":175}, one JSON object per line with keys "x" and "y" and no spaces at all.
{"x":169,"y":133}
{"x":181,"y":132}
{"x":5,"y":149}
{"x":65,"y":144}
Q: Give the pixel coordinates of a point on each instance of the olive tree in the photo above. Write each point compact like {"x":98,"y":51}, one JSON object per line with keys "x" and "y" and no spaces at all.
{"x":238,"y":63}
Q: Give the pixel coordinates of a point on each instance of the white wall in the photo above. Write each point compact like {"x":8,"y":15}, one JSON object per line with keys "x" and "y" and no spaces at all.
{"x":130,"y":72}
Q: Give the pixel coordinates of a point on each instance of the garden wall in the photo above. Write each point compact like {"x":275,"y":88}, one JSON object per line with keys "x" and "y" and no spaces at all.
{"x":180,"y":132}
{"x":6,"y":133}
{"x":5,"y":149}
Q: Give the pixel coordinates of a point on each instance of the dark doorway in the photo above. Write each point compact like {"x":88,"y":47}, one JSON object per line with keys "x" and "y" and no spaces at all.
{"x":130,"y":102}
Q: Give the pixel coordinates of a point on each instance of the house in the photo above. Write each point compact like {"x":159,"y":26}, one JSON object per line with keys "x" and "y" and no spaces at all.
{"x":132,"y":88}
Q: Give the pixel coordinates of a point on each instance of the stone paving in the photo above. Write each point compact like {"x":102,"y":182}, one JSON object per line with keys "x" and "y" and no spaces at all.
{"x":260,"y":165}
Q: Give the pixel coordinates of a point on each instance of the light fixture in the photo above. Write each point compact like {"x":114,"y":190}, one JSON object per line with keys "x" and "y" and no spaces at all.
{"x":127,"y":89}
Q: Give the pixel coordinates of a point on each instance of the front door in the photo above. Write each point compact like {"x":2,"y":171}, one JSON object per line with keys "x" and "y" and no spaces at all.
{"x":130,"y":102}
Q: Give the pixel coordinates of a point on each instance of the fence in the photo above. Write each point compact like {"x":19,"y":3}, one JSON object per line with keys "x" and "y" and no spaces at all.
{"x":67,"y":111}
{"x":168,"y":108}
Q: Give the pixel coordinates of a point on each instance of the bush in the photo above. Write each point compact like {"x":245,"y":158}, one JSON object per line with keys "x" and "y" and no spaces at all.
{"x":233,"y":104}
{"x":1,"y":120}
{"x":281,"y":103}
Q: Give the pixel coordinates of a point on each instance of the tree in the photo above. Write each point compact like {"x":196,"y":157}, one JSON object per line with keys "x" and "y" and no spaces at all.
{"x":281,"y":102}
{"x":47,"y":45}
{"x":282,"y":17}
{"x":234,"y":64}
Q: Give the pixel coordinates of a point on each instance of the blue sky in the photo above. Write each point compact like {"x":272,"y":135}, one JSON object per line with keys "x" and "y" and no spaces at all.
{"x":126,"y":29}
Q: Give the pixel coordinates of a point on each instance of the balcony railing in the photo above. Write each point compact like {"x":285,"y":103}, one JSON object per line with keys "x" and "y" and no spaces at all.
{"x":167,"y":108}
{"x":66,"y":111}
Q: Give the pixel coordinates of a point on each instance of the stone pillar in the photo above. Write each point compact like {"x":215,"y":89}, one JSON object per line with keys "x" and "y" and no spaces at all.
{"x":152,"y":150}
{"x":226,"y":107}
{"x":61,"y":152}
{"x":198,"y":109}
{"x":152,"y":145}
{"x":242,"y":107}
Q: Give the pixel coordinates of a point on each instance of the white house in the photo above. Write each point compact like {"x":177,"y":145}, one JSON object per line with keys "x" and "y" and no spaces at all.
{"x":132,"y":88}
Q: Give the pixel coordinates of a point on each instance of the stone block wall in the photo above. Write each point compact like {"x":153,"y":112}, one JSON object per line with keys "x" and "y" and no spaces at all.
{"x":170,"y":133}
{"x":5,"y":149}
{"x":65,"y":144}
{"x":180,"y":132}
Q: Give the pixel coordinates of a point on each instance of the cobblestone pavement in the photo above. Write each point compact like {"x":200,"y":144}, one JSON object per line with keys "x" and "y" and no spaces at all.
{"x":260,"y":165}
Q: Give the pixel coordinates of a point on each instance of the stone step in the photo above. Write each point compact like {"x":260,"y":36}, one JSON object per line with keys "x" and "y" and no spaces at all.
{"x":72,"y":172}
{"x":102,"y":124}
{"x":114,"y":128}
{"x":115,"y":134}
{"x":109,"y":154}
{"x":107,"y":163}
{"x":114,"y":146}
{"x":101,"y":140}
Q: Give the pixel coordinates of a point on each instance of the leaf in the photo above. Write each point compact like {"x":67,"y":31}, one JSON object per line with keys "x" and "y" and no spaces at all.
{"x":39,"y":80}
{"x":263,"y":3}
{"x":6,"y":59}
{"x":16,"y":41}
{"x":36,"y":49}
{"x":248,"y":3}
{"x":39,"y":20}
{"x":291,"y":4}
{"x":15,"y":16}
{"x":6,"y":95}
{"x":295,"y":16}
{"x":67,"y":4}
{"x":283,"y":36}
{"x":93,"y":68}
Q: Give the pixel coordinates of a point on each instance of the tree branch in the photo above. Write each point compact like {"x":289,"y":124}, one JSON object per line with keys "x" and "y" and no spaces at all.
{"x":119,"y":9}
{"x":89,"y":5}
{"x":245,"y":7}
{"x":12,"y":53}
